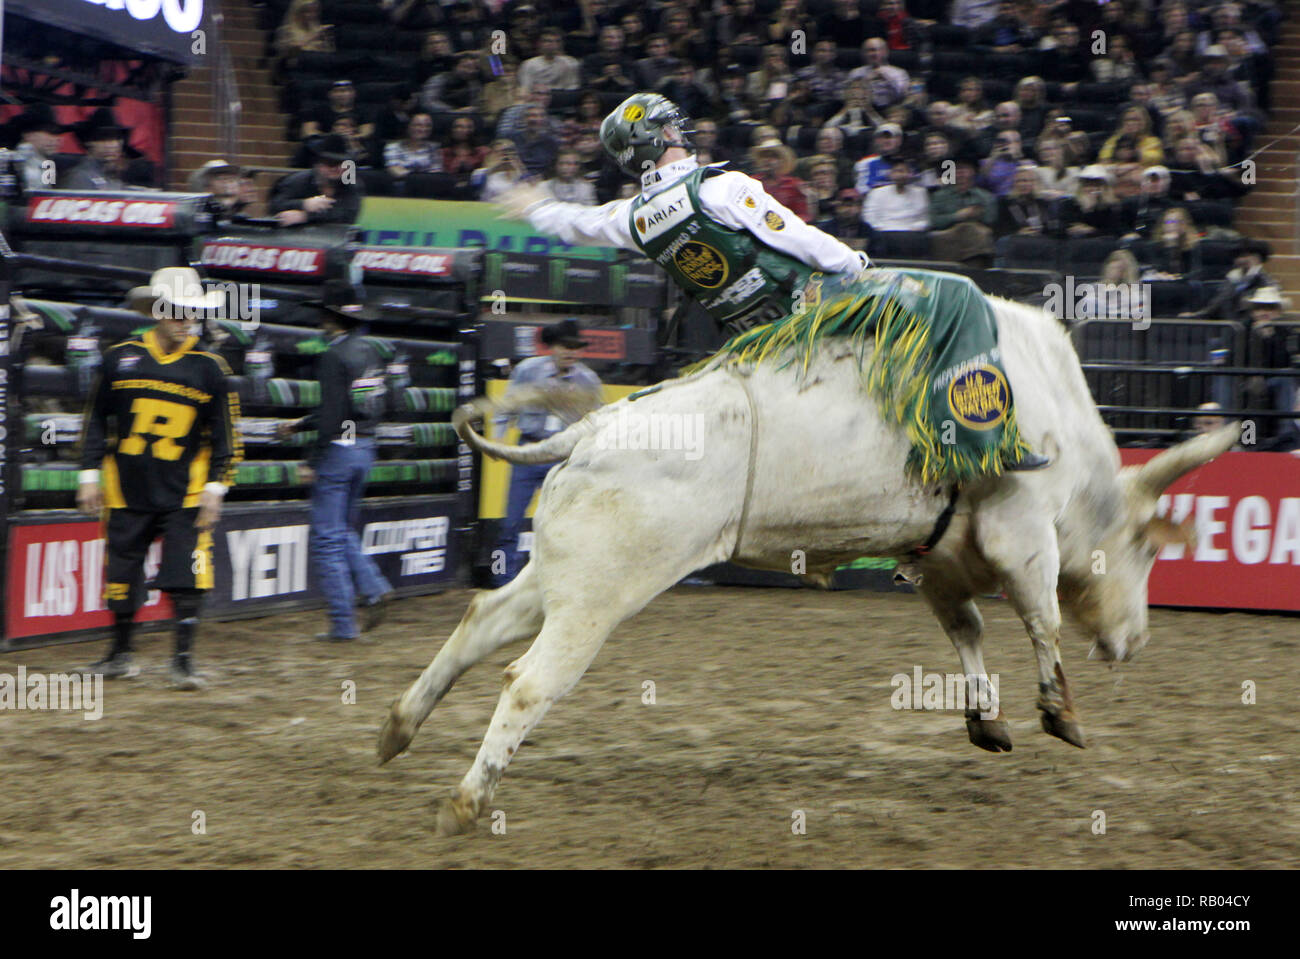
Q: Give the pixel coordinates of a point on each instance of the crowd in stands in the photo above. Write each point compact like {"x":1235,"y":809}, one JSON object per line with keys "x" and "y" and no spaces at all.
{"x":1030,"y":132}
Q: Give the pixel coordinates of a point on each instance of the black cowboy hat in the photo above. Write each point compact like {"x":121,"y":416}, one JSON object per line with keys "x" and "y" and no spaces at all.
{"x":1259,"y":247}
{"x":102,"y":125}
{"x":38,"y":116}
{"x":340,"y":298}
{"x":565,"y":333}
{"x":329,"y":147}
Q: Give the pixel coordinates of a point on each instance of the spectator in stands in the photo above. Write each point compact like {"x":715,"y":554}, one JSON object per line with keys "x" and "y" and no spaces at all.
{"x":1031,"y":98}
{"x":1078,"y":148}
{"x":338,"y":463}
{"x":468,"y":28}
{"x":1144,"y":211}
{"x":559,"y":367}
{"x":857,"y":113}
{"x":459,"y":91}
{"x":463,"y":153}
{"x":568,"y":185}
{"x":500,"y":171}
{"x":1056,"y":179}
{"x":902,"y":206}
{"x":409,"y":14}
{"x":1196,"y":176}
{"x":1274,"y":348}
{"x":1232,"y":95}
{"x":303,"y":32}
{"x":525,"y":31}
{"x":38,"y":134}
{"x":788,"y":17}
{"x":1118,"y":65}
{"x":536,"y":144}
{"x":846,"y":221}
{"x":1093,"y":210}
{"x":656,"y":64}
{"x":103,"y":168}
{"x":1247,"y":275}
{"x":340,"y":101}
{"x":822,"y":183}
{"x":771,"y":81}
{"x":962,"y":217}
{"x":414,"y":153}
{"x":1120,"y":268}
{"x":1022,"y":211}
{"x":1134,"y":133}
{"x":773,"y":164}
{"x":886,"y":84}
{"x":973,"y":14}
{"x":321,"y":194}
{"x":1070,"y":57}
{"x":1166,"y":95}
{"x":873,"y":170}
{"x":939,"y":116}
{"x":436,"y":56}
{"x":706,"y":142}
{"x":899,"y":30}
{"x":1175,"y":253}
{"x":1004,"y":33}
{"x":684,"y":90}
{"x":552,"y":66}
{"x":514,"y":118}
{"x":1006,"y":116}
{"x":972,"y":111}
{"x":830,"y":142}
{"x":610,"y":50}
{"x":825,"y":80}
{"x":686,"y":41}
{"x":634,"y":34}
{"x":501,"y":93}
{"x":392,"y":121}
{"x":1211,"y":127}
{"x":936,"y":166}
{"x":1000,"y":168}
{"x":844,"y":22}
{"x":224,"y":181}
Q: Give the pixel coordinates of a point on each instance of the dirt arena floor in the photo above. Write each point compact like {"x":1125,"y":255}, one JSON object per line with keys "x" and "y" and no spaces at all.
{"x":768,"y":702}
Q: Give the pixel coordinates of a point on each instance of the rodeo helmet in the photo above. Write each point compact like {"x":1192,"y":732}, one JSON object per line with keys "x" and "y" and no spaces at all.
{"x":634,"y":133}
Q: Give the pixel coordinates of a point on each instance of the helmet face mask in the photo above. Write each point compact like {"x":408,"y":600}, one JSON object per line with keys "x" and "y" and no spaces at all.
{"x":641,"y":129}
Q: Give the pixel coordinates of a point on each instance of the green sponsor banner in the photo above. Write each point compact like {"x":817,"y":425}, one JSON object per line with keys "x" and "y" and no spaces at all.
{"x":402,"y":221}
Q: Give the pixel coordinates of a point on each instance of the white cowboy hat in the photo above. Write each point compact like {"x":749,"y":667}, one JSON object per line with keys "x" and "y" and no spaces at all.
{"x":175,"y":287}
{"x":1268,"y":296}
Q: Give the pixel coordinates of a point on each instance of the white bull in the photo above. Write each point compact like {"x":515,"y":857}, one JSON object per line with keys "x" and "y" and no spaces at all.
{"x":787,"y":463}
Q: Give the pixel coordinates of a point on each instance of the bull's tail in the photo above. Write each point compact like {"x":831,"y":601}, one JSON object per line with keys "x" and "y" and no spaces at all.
{"x":566,"y":403}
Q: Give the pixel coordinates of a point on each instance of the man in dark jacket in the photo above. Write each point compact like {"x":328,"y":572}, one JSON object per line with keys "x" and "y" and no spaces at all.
{"x":352,"y":400}
{"x":323,"y":194}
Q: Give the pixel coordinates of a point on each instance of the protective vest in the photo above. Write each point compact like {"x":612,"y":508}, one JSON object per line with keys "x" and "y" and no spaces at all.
{"x":739,"y":280}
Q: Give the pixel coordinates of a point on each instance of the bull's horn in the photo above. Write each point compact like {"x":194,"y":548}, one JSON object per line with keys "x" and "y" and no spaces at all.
{"x":1158,"y":473}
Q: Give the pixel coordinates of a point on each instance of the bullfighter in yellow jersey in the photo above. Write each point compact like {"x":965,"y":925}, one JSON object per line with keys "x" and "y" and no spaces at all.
{"x":159,"y":450}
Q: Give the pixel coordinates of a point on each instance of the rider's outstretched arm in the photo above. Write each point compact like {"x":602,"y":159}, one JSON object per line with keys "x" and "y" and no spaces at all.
{"x":740,"y":202}
{"x":605,"y":225}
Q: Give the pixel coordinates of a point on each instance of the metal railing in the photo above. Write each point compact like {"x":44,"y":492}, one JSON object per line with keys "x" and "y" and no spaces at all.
{"x":227,"y":107}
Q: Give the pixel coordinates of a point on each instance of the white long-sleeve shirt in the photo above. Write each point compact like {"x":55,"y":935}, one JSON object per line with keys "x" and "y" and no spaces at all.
{"x":889,"y":208}
{"x":723,"y":198}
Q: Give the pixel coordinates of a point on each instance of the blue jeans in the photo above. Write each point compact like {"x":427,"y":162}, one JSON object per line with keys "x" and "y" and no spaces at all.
{"x":525,"y":480}
{"x":335,"y":545}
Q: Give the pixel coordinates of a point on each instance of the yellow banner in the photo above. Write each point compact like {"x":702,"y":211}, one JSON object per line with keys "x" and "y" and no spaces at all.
{"x":494,"y":480}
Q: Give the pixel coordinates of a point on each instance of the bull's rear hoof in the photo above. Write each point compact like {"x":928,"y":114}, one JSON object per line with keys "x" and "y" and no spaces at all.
{"x":452,"y":821}
{"x":394,"y":737}
{"x":991,"y":734}
{"x":1063,"y":726}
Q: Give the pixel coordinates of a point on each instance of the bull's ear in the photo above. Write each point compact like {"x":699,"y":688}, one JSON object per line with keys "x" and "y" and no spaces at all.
{"x":1160,"y":532}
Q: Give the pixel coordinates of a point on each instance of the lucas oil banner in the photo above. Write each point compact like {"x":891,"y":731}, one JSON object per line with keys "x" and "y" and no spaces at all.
{"x":261,"y":554}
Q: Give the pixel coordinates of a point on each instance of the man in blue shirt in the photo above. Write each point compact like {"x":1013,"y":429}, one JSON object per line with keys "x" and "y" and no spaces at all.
{"x":559,"y":367}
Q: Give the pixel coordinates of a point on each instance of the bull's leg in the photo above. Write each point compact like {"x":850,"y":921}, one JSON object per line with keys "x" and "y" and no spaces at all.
{"x":962,"y":622}
{"x":1024,"y":552}
{"x":494,"y":619}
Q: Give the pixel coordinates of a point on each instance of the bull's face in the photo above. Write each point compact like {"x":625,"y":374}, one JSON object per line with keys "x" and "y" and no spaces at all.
{"x":1111,"y":602}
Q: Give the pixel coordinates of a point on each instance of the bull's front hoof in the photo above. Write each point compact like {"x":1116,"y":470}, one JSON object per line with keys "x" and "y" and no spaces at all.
{"x":1064,"y":726}
{"x":395,"y":736}
{"x":454,"y":821}
{"x":991,"y":734}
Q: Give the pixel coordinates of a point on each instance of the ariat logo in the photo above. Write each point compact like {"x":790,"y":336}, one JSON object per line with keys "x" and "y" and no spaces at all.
{"x":773,"y":221}
{"x":979,"y":398}
{"x":633,"y":113}
{"x":667,"y":210}
{"x":702,"y":264}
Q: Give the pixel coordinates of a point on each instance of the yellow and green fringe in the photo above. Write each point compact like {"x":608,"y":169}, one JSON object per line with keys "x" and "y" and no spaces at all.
{"x":898,"y":376}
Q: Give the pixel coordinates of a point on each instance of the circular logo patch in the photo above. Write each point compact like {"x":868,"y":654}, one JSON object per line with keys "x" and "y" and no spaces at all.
{"x":773,"y":221}
{"x":701,"y":264}
{"x":633,"y":113}
{"x":640,"y":224}
{"x":979,"y":398}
